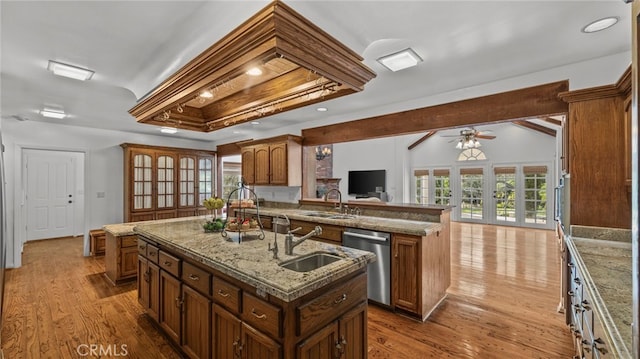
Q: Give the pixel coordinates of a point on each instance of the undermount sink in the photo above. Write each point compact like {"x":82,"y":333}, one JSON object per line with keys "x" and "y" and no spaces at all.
{"x":329,"y":215}
{"x":310,"y":262}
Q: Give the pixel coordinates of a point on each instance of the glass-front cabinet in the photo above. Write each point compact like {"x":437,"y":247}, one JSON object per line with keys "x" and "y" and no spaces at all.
{"x":165,"y":182}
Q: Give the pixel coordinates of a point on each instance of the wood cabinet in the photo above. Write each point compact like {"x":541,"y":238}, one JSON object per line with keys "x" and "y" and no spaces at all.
{"x":330,"y":233}
{"x":589,"y":337}
{"x":121,"y":258}
{"x":165,"y":182}
{"x":97,"y":242}
{"x":208,"y":314}
{"x":274,"y":161}
{"x":421,"y":271}
{"x":406,"y":277}
{"x":345,"y":337}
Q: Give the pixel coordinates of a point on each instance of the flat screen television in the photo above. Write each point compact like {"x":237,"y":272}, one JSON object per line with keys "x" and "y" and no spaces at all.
{"x":362,"y":182}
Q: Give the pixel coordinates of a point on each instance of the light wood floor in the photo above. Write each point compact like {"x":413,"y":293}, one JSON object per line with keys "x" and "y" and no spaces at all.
{"x":502,"y":304}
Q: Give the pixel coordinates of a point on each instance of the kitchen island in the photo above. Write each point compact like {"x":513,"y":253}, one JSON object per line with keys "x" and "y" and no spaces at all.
{"x":599,"y":304}
{"x":211,"y":295}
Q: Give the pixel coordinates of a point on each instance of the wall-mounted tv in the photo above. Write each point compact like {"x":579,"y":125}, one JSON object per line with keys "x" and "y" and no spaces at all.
{"x":361,"y":183}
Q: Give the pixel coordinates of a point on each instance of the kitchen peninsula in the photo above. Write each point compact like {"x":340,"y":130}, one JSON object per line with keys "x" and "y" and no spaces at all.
{"x":212,"y":295}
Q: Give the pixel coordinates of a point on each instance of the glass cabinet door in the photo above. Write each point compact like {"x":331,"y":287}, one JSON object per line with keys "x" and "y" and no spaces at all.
{"x":165,"y":182}
{"x":187,"y":185}
{"x":142,"y":182}
{"x":205,"y":178}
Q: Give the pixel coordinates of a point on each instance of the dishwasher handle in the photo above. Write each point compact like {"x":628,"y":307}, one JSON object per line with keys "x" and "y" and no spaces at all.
{"x":366,"y":236}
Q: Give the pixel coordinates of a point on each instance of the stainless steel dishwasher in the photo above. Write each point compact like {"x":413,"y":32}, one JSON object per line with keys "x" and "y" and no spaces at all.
{"x":379,"y":272}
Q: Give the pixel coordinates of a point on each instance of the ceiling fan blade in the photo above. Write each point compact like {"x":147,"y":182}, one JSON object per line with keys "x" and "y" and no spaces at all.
{"x":486,"y":137}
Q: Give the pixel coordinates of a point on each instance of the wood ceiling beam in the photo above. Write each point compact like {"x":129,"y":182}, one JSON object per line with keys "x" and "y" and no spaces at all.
{"x":536,"y":127}
{"x":422,"y":139}
{"x":536,"y":101}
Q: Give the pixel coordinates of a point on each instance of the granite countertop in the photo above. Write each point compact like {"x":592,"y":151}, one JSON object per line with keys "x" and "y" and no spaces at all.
{"x":250,"y":261}
{"x":126,"y":229}
{"x":606,"y":266}
{"x":404,"y":226}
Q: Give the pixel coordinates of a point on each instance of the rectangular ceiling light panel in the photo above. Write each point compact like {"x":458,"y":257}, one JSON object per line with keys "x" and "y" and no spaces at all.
{"x":70,"y":71}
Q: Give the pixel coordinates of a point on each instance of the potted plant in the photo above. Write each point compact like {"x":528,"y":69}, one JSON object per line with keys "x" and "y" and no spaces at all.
{"x":215,"y":224}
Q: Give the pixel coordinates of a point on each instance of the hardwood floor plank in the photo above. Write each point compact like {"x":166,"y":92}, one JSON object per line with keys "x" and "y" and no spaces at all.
{"x":501,"y":304}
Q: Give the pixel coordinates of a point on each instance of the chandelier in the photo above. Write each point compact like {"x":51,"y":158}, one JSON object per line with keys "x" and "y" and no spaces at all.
{"x":322,"y":153}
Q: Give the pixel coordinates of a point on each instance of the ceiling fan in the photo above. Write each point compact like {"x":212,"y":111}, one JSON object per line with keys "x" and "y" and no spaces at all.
{"x":468,"y":138}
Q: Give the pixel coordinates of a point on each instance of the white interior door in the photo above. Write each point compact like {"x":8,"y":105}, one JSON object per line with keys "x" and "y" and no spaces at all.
{"x":49,"y":194}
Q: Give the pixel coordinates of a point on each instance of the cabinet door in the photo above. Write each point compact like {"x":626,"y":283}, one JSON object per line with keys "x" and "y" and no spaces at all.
{"x":353,"y":333}
{"x":248,"y":165}
{"x":278,"y":164}
{"x":257,"y":345}
{"x":187,"y":181}
{"x":405,"y":272}
{"x":141,"y":182}
{"x":165,"y":182}
{"x":205,"y":179}
{"x":196,"y":325}
{"x":170,"y":305}
{"x":143,"y":282}
{"x":262,"y":166}
{"x":128,"y":262}
{"x":226,"y":334}
{"x":321,"y":345}
{"x":154,"y":291}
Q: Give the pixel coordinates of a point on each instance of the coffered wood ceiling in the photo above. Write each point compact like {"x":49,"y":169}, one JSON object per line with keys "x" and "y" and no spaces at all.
{"x":300,"y":65}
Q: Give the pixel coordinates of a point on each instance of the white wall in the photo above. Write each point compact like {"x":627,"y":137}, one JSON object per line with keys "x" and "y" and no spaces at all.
{"x":513,"y":144}
{"x":103,"y":170}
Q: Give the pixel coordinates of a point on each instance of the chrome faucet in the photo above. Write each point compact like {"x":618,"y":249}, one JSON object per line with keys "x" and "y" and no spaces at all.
{"x":275,"y":234}
{"x":290,"y":243}
{"x":326,"y":196}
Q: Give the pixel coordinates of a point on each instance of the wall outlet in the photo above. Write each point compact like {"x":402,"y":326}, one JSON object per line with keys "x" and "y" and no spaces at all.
{"x":100,"y":194}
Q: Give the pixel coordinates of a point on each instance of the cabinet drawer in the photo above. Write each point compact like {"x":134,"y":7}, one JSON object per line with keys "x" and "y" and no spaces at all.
{"x":152,"y":253}
{"x":329,"y":306}
{"x":196,"y":278}
{"x":129,"y":241}
{"x":226,"y":295}
{"x":142,"y":248}
{"x":169,"y":263}
{"x":261,"y":315}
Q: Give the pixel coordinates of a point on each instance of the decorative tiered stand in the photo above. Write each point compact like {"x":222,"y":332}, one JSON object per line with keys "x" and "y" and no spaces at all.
{"x":243,"y":226}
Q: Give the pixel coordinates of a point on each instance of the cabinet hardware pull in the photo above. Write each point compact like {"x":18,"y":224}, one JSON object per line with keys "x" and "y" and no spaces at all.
{"x":577,"y":281}
{"x":167,"y":263}
{"x":341,"y":299}
{"x":178,"y":302}
{"x":223,"y":293}
{"x":570,"y":293}
{"x":142,"y":246}
{"x":341,"y":345}
{"x":152,"y":253}
{"x":259,"y":316}
{"x":193,"y":277}
{"x":570,"y":264}
{"x":598,"y":341}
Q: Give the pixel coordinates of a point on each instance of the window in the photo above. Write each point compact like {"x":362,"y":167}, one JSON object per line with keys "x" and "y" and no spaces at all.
{"x":422,"y":186}
{"x":535,"y":194}
{"x":187,"y":181}
{"x":471,"y":184}
{"x":472,"y":154}
{"x":231,"y":173}
{"x":442,"y":189}
{"x":165,"y":182}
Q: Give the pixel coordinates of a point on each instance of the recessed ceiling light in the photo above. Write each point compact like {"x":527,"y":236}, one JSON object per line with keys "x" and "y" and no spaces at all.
{"x":254,"y":71}
{"x":600,"y":25}
{"x":321,"y":109}
{"x":206,"y":94}
{"x":70,"y":71}
{"x":170,"y":130}
{"x":400,"y":60}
